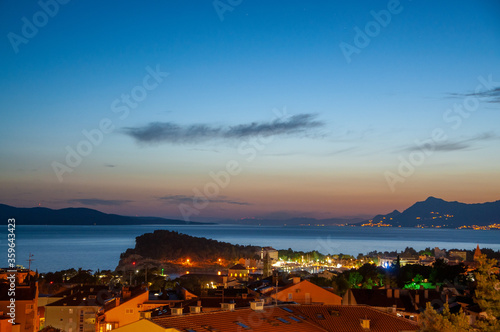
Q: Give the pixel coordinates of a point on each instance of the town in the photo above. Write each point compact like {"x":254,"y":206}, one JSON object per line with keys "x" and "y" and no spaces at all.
{"x":275,"y":290}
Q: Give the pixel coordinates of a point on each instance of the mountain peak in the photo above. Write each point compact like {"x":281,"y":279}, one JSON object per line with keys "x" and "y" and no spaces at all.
{"x":434,"y":199}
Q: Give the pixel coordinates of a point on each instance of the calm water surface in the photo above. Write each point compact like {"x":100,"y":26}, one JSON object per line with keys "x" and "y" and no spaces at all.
{"x":99,"y":247}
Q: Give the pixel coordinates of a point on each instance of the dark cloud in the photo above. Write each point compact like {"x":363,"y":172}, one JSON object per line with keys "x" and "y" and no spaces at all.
{"x":178,"y":199}
{"x":457,"y":145}
{"x":97,"y":201}
{"x":490,"y":96}
{"x":168,"y":132}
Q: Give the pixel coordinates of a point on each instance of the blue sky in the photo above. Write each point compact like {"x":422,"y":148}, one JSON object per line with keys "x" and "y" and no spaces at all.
{"x":338,"y":150}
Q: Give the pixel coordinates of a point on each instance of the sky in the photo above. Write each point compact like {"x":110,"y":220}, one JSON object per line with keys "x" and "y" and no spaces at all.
{"x":230,"y":109}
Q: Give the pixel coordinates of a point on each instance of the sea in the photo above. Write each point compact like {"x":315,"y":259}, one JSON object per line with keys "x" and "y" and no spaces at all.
{"x":57,"y":248}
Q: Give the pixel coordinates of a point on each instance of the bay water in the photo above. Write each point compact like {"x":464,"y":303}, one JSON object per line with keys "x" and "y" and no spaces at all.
{"x":99,"y":247}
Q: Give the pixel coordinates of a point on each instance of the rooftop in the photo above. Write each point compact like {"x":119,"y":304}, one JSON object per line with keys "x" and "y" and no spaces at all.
{"x":290,"y":318}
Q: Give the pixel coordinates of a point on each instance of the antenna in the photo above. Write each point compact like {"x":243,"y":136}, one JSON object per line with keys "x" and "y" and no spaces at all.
{"x":29,"y":262}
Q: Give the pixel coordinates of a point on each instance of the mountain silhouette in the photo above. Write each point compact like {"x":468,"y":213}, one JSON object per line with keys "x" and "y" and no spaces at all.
{"x":77,"y":216}
{"x":436,"y":212}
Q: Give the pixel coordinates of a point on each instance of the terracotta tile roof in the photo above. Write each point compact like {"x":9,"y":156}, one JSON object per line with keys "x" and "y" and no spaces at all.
{"x":268,"y":320}
{"x":347,"y":318}
{"x":290,"y":318}
{"x":94,"y":296}
{"x":207,"y":304}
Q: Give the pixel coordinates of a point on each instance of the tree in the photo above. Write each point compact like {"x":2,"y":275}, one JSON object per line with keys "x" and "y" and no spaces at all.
{"x":487,"y":294}
{"x":355,"y":279}
{"x":432,"y":321}
{"x":340,"y":285}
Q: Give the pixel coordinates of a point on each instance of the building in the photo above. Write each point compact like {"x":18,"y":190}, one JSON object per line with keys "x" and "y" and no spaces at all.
{"x":402,"y":302}
{"x":457,"y":255}
{"x":388,"y":261}
{"x":5,"y":325}
{"x":26,"y":305}
{"x":239,"y":272}
{"x":21,"y":274}
{"x":327,"y":274}
{"x":305,"y":292}
{"x":271,"y":252}
{"x":438,"y":253}
{"x":79,"y":310}
{"x":123,"y":310}
{"x":477,"y":254}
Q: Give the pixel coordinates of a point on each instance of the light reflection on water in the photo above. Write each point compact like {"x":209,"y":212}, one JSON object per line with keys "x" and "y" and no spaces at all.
{"x":99,"y":247}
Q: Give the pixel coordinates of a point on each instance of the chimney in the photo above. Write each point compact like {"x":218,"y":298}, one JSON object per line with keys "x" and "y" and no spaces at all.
{"x":195,"y":309}
{"x":257,"y":305}
{"x":396,"y":293}
{"x":176,"y":311}
{"x":426,"y":294}
{"x":117,"y":301}
{"x":365,"y":323}
{"x":126,"y":293}
{"x":198,"y":303}
{"x":296,"y":280}
{"x":228,"y":306}
{"x":389,"y":293}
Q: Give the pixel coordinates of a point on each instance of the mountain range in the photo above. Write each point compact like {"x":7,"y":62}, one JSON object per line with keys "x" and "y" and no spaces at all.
{"x":433,"y":212}
{"x":78,"y":216}
{"x":436,"y":212}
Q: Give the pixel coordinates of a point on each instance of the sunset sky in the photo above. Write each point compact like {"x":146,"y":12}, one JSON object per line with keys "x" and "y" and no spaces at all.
{"x":283,"y":109}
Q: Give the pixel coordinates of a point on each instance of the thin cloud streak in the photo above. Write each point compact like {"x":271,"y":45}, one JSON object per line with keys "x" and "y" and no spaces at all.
{"x":490,"y":96}
{"x":97,"y":201}
{"x":466,"y":144}
{"x":179,"y":199}
{"x":168,"y":132}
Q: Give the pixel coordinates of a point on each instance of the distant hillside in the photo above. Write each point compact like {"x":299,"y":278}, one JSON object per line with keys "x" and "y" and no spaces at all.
{"x":169,"y":246}
{"x":435,"y":212}
{"x":292,"y":221}
{"x":77,"y":216}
